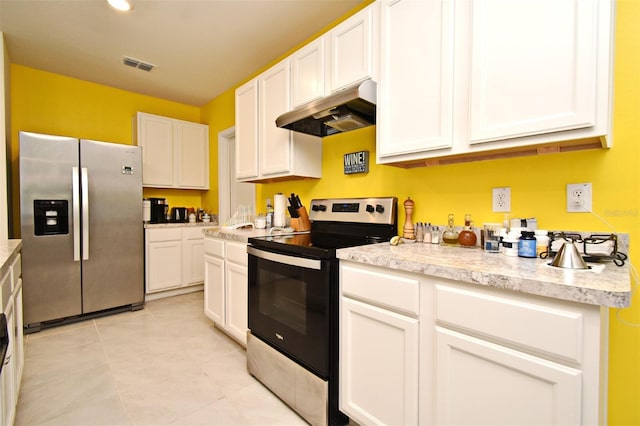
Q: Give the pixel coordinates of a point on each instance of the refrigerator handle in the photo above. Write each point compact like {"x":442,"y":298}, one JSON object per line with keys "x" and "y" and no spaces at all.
{"x":85,"y":214}
{"x":76,"y":213}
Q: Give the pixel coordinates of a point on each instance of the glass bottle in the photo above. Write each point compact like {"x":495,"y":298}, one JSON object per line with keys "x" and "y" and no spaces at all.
{"x":467,"y":237}
{"x":450,"y":235}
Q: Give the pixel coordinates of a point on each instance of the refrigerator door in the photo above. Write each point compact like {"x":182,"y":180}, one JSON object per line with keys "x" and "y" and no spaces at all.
{"x":51,"y":276}
{"x":113,"y":247}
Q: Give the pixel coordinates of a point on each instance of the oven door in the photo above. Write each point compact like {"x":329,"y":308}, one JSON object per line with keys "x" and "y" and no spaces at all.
{"x":289,"y":306}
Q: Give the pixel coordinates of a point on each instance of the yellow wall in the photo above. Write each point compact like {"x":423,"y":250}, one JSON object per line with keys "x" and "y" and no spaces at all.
{"x":537,"y":190}
{"x":49,"y":103}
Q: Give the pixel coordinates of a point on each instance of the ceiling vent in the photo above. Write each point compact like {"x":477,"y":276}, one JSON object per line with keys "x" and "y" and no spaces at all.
{"x":135,"y":63}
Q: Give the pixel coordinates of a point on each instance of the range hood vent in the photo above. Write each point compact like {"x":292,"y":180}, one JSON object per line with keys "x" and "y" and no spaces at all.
{"x":351,"y":108}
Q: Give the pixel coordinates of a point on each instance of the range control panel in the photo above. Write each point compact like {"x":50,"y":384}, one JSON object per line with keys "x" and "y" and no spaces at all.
{"x":357,"y":210}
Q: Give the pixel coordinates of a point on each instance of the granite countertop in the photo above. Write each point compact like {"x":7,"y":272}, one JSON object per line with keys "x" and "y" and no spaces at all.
{"x":177,"y":225}
{"x":8,"y":251}
{"x":606,"y":284}
{"x":242,"y":234}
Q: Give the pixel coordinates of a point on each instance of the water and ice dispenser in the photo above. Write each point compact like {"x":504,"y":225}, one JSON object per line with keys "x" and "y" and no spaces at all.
{"x":51,"y":217}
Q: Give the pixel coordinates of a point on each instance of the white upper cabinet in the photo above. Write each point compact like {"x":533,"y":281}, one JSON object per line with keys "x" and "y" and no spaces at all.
{"x":351,"y":45}
{"x":342,"y":57}
{"x":175,"y":153}
{"x":265,"y":152}
{"x":274,"y":99}
{"x":247,"y":130}
{"x":462,"y":78}
{"x":528,"y":79}
{"x":308,"y":67}
{"x":415,"y":93}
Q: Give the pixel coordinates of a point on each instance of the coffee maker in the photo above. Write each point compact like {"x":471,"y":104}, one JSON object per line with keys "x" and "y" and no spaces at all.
{"x":159,"y":209}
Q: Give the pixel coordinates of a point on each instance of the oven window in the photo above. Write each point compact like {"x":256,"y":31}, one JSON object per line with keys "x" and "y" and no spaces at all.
{"x":283,"y":297}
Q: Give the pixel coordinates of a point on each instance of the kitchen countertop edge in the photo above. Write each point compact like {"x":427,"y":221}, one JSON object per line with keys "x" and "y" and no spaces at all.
{"x":611,"y":287}
{"x":8,"y":252}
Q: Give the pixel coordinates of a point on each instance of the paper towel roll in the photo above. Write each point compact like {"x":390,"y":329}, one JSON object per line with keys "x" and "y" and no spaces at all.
{"x":279,"y":210}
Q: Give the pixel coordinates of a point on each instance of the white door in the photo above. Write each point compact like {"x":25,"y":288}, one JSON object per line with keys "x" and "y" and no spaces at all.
{"x":526,"y":80}
{"x":231,"y":193}
{"x":415,"y":105}
{"x":378,"y":365}
{"x":237,"y":301}
{"x":481,"y":383}
{"x":214,"y":289}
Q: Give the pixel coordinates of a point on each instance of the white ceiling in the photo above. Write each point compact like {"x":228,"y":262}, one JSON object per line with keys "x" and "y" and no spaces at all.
{"x":200,"y":47}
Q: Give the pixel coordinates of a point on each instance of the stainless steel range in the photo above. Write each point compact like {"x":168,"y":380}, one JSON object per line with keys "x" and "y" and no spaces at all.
{"x":292,"y":344}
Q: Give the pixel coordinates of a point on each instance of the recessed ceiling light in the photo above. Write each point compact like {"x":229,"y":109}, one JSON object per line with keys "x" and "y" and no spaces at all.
{"x":121,"y":5}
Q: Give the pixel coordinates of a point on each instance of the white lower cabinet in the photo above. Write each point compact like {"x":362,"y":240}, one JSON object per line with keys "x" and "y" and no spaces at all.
{"x":481,"y":355}
{"x":226,"y":286}
{"x":174,"y":258}
{"x":11,"y":376}
{"x":379,"y":339}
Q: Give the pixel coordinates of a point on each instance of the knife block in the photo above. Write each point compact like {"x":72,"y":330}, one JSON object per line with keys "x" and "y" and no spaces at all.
{"x":301,"y":223}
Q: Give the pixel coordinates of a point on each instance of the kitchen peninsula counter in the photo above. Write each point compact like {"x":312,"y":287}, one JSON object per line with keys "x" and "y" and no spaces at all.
{"x":605,"y":285}
{"x":9,"y":249}
{"x":242,"y":234}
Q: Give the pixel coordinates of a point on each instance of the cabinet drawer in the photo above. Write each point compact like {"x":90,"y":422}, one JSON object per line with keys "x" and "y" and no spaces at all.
{"x":236,"y":253}
{"x":386,"y":290}
{"x":5,"y":290}
{"x":214,"y":247}
{"x":546,"y":328}
{"x":166,"y":234}
{"x":16,"y":269}
{"x":193,"y":233}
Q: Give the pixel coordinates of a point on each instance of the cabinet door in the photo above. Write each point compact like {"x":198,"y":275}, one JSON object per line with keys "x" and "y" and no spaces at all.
{"x":378,"y":365}
{"x":155,"y":135}
{"x":164,"y":265}
{"x":478,"y":382}
{"x":351,"y":47}
{"x":275,"y":99}
{"x":415,"y":105}
{"x":192,"y":141}
{"x":237,"y":301}
{"x":247,"y":130}
{"x":9,"y":387}
{"x":193,"y":260}
{"x":214,"y":299}
{"x":308,"y":73}
{"x":526,"y":80}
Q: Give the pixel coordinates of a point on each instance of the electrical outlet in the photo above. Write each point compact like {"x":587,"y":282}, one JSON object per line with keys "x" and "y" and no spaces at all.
{"x":579,"y":197}
{"x":501,"y":200}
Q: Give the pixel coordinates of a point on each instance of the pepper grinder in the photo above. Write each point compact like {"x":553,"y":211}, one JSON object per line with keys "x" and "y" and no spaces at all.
{"x":408,"y":223}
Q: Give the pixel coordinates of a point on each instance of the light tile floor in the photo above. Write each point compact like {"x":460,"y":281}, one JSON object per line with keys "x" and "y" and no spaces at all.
{"x":163,"y":365}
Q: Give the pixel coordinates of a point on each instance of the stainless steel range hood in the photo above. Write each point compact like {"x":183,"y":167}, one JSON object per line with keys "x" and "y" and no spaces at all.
{"x":349,"y":109}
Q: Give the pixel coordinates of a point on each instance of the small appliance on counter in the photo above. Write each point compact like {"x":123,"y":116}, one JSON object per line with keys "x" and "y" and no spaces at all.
{"x":179,"y":215}
{"x":158,"y":210}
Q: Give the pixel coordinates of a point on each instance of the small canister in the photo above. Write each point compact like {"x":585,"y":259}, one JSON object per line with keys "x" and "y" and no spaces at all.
{"x":542,"y":241}
{"x":510,"y":244}
{"x":527,"y":244}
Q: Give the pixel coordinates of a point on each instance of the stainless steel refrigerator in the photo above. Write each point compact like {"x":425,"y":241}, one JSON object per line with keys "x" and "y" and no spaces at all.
{"x":81,"y":228}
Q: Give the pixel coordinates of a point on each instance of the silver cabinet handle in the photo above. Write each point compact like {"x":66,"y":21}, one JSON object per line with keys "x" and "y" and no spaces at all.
{"x":85,"y":214}
{"x":76,"y":213}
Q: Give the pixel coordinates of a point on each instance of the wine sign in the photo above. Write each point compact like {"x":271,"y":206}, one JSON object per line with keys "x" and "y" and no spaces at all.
{"x":356,"y":162}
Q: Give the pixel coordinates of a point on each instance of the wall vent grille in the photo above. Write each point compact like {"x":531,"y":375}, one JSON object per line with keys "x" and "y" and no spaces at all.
{"x":136,"y":63}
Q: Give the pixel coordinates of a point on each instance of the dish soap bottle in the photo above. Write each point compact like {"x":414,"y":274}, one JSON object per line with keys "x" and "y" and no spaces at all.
{"x":467,"y":237}
{"x":450,"y":235}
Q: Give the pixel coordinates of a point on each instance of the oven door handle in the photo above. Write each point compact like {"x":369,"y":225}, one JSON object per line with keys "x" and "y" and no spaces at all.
{"x":287,"y":260}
